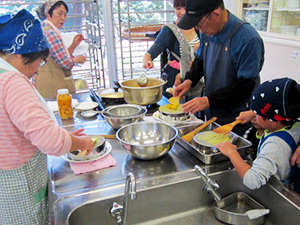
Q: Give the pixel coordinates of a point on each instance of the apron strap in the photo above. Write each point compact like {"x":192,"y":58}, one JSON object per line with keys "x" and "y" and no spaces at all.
{"x":287,"y":137}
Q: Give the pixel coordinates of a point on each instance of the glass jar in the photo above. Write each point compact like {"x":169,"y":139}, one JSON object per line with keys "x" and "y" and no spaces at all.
{"x":64,"y":101}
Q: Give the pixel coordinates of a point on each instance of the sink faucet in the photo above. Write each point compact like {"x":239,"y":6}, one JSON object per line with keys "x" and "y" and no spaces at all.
{"x":210,"y":185}
{"x":120,"y":211}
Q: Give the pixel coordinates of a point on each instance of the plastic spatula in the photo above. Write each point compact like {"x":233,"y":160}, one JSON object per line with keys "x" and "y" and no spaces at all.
{"x":225,"y":129}
{"x":256,"y":213}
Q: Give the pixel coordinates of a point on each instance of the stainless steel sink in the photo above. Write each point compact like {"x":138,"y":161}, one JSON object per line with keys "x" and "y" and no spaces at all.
{"x":175,"y":199}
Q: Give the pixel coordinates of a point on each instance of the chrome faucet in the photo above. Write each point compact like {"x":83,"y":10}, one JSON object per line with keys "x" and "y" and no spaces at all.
{"x":210,"y":185}
{"x":120,"y":211}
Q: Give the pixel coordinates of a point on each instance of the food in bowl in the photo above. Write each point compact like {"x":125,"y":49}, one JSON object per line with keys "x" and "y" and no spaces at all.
{"x":169,"y":110}
{"x":210,"y":138}
{"x":172,"y":115}
{"x":174,"y":103}
{"x":99,"y":145}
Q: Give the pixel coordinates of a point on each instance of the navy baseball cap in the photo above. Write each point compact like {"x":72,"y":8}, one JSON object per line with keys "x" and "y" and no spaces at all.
{"x":195,"y":10}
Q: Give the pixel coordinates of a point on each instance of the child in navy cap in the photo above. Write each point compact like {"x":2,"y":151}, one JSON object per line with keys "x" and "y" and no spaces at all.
{"x":276,"y":106}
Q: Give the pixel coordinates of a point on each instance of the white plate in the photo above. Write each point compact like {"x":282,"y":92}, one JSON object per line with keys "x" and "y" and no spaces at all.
{"x":105,"y":152}
{"x":156,"y":116}
{"x":86,"y":105}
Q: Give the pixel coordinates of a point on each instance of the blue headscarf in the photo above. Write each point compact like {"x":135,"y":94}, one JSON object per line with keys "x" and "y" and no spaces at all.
{"x":21,"y":34}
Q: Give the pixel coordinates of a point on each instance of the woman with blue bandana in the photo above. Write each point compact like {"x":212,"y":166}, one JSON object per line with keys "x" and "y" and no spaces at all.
{"x":29,"y":128}
{"x":276,"y":106}
{"x":57,"y":73}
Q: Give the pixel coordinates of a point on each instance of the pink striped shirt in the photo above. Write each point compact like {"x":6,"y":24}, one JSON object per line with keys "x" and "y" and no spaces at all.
{"x":26,"y":127}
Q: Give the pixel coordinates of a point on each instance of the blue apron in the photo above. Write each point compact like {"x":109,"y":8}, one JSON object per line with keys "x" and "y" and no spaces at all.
{"x":218,"y":73}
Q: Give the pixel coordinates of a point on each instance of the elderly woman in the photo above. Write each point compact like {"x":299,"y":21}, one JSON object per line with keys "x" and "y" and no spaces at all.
{"x":29,"y":129}
{"x":57,"y":73}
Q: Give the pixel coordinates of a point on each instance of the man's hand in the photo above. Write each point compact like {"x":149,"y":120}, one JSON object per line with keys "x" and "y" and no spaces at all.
{"x":196,"y":105}
{"x":182,"y":88}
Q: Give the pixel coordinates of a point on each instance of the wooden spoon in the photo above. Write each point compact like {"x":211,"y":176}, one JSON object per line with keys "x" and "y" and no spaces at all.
{"x":225,"y":129}
{"x":109,"y":136}
{"x":189,"y":136}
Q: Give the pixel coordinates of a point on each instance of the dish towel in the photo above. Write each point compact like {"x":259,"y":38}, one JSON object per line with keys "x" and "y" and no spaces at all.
{"x":105,"y":162}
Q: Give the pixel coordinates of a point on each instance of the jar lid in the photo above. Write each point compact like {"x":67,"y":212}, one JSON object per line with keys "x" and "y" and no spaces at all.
{"x":62,"y":91}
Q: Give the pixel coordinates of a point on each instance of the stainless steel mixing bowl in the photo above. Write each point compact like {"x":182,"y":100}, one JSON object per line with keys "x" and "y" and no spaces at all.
{"x":123,"y":110}
{"x":119,"y":121}
{"x":147,"y":140}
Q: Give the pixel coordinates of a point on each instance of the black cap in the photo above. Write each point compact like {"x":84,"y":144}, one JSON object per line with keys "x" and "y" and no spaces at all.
{"x":195,"y":10}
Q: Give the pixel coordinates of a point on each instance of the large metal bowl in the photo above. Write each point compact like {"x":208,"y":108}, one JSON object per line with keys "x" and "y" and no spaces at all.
{"x":134,"y":94}
{"x":119,"y":121}
{"x":147,"y":140}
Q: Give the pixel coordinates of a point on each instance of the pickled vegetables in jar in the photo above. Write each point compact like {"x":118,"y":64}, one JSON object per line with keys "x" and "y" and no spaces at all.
{"x":64,"y":101}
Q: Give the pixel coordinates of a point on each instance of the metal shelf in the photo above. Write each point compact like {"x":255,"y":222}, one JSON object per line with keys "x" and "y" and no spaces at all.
{"x":131,"y":50}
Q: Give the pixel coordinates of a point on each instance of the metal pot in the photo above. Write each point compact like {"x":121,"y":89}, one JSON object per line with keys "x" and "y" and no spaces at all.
{"x":134,"y":94}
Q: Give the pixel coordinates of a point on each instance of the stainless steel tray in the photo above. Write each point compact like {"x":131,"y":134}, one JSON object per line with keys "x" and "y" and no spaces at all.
{"x":233,"y":208}
{"x":210,"y":155}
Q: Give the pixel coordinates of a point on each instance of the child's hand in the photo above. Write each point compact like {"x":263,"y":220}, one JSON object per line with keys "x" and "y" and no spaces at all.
{"x":227,"y":148}
{"x":246,"y":116}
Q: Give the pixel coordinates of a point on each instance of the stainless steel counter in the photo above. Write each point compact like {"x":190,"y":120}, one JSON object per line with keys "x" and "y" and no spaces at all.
{"x":64,"y":183}
{"x":65,"y":188}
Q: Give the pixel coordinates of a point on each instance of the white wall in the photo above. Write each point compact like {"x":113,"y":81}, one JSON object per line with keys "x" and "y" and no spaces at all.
{"x":282,"y":59}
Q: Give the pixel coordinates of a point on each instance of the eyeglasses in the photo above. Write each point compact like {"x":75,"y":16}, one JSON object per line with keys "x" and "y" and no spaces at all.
{"x":204,"y":21}
{"x":44,"y":61}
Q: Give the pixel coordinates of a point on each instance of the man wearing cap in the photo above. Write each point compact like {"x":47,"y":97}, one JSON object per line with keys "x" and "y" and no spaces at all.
{"x":230,"y":57}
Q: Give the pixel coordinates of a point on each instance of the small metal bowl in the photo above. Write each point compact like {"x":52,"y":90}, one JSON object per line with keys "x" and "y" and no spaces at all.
{"x":119,"y":121}
{"x":98,"y":148}
{"x":123,"y":110}
{"x":147,"y":140}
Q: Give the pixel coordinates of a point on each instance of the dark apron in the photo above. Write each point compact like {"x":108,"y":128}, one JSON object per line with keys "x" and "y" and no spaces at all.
{"x":219,"y":73}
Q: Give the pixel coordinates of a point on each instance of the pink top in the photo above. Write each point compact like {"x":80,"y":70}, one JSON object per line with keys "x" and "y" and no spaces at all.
{"x":174,"y":64}
{"x":26,"y":127}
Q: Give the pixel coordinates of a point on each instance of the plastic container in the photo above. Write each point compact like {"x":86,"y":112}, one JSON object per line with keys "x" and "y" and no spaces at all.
{"x":64,"y":101}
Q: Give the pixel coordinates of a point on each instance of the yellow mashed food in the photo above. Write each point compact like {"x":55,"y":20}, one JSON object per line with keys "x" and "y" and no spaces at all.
{"x":167,"y":109}
{"x":212,"y":138}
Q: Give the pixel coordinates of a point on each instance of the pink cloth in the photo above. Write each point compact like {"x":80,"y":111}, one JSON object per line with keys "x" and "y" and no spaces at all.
{"x":105,"y":162}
